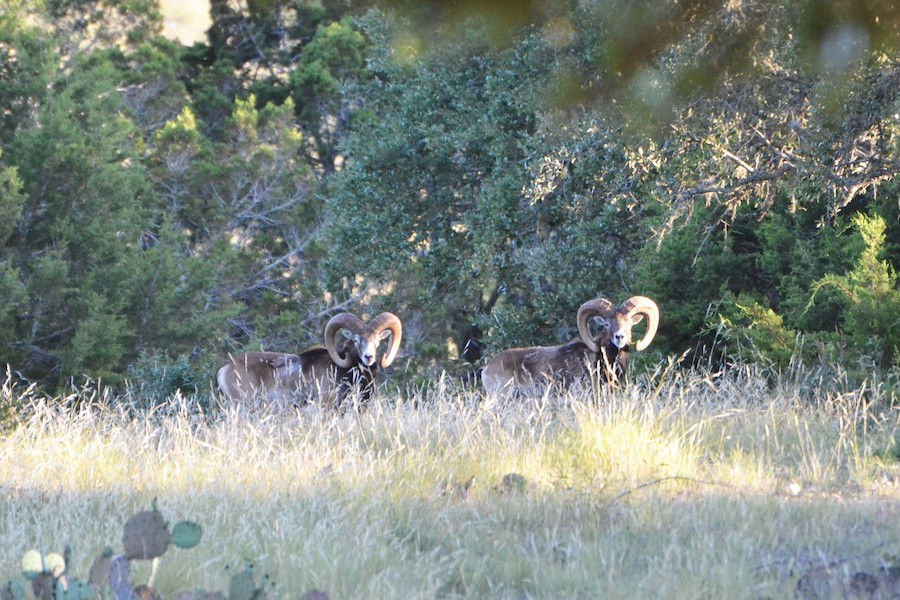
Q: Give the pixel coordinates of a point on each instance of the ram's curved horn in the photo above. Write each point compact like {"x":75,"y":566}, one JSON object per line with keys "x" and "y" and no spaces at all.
{"x":387,"y":321}
{"x":338,"y":322}
{"x":646,"y":306}
{"x":598,"y":307}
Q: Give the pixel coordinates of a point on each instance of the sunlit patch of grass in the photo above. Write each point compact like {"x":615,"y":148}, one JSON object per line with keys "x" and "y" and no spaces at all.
{"x":621,"y":447}
{"x":682,"y":484}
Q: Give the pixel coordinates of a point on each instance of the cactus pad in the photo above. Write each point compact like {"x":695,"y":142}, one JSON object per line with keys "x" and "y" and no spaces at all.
{"x":99,"y":572}
{"x":15,"y":589}
{"x":32,"y":564}
{"x":146,"y":535}
{"x":54,"y":564}
{"x":120,"y":577}
{"x":74,"y":589}
{"x":243,"y":587}
{"x":186,"y":534}
{"x":42,"y":586}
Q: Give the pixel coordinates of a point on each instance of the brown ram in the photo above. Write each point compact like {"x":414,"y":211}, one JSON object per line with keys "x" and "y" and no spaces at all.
{"x":323,"y":373}
{"x":528,"y":370}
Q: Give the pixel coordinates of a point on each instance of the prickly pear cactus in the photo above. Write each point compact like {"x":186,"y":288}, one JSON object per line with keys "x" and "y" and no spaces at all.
{"x":120,"y":578}
{"x":146,"y":535}
{"x":99,"y":573}
{"x":54,"y":564}
{"x":74,"y":589}
{"x":243,"y":586}
{"x":45,"y":572}
{"x":32,"y":564}
{"x":42,"y":586}
{"x":186,"y":534}
{"x":15,"y":589}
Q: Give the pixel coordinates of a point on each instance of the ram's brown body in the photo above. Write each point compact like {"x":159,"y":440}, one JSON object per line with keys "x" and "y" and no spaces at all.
{"x":530,"y":370}
{"x":321,"y":373}
{"x":281,"y":379}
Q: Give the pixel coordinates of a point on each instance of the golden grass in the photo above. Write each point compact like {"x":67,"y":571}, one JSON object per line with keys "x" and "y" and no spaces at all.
{"x":681,"y":486}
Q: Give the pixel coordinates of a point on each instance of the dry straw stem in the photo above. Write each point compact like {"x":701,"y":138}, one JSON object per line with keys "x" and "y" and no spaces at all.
{"x":682,"y":484}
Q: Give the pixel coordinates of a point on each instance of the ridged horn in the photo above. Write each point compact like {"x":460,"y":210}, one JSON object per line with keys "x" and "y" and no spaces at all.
{"x":647,"y":307}
{"x":391,"y":322}
{"x":338,"y":322}
{"x":599,"y":307}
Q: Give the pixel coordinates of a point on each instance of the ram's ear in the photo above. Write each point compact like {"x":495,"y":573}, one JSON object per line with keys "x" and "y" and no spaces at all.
{"x":637,"y":318}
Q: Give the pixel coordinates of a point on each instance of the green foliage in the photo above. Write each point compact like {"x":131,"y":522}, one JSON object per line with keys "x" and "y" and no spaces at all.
{"x":154,"y":378}
{"x":12,"y":201}
{"x":159,"y":201}
{"x":100,"y":272}
{"x":83,"y":209}
{"x":757,"y":334}
{"x":693,"y":277}
{"x":173,"y":298}
{"x":105,"y":23}
{"x":212,"y":91}
{"x":245,"y":205}
{"x":90,"y":228}
{"x":335,"y":54}
{"x":153,"y":85}
{"x":870,"y":296}
{"x":14,"y":293}
{"x":99,"y":339}
{"x":428,"y":179}
{"x":794,"y":253}
{"x":26,"y":64}
{"x":892,"y":452}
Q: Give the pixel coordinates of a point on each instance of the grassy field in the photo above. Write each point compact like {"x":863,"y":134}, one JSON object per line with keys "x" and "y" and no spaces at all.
{"x":683,"y":485}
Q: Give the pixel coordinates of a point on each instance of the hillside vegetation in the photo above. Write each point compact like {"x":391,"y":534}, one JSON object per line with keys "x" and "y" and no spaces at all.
{"x":480,"y":170}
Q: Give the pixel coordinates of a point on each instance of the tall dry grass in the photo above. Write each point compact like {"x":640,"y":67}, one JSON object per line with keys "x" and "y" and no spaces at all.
{"x":682,"y":485}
